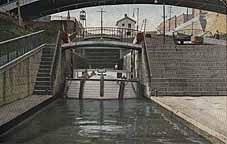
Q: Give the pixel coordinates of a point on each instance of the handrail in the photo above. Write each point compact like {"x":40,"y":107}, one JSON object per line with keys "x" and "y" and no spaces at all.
{"x":121,"y":34}
{"x":55,"y":58}
{"x":146,"y":60}
{"x":14,"y":48}
{"x":21,"y":37}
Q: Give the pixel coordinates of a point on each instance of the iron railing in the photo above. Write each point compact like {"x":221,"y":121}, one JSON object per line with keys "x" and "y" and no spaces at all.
{"x":121,"y":34}
{"x":147,"y":63}
{"x":54,"y":65}
{"x":14,"y":48}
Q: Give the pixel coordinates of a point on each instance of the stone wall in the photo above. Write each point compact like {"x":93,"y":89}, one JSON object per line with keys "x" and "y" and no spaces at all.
{"x":18,"y":77}
{"x":187,"y":70}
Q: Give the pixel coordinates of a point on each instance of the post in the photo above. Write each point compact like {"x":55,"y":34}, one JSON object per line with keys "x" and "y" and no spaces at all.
{"x":138,"y":13}
{"x":102,"y":85}
{"x":164,"y":22}
{"x":101,"y":22}
{"x":19,"y":13}
{"x":170,"y":17}
{"x":101,"y":15}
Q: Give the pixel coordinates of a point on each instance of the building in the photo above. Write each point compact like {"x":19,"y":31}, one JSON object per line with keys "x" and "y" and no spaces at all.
{"x":198,"y":23}
{"x":172,"y":23}
{"x":126,"y":22}
{"x":216,"y":22}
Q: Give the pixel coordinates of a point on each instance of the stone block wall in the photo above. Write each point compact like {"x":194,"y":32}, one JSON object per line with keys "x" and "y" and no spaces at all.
{"x":17,"y":79}
{"x":187,"y":70}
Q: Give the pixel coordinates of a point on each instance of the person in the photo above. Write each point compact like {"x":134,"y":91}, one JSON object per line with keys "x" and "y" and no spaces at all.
{"x":124,"y":77}
{"x":115,"y":66}
{"x":217,"y":35}
{"x":85,"y":74}
{"x":65,"y":37}
{"x":93,"y":73}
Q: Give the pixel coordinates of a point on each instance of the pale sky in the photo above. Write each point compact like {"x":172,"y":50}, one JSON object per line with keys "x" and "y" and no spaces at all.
{"x":153,"y":14}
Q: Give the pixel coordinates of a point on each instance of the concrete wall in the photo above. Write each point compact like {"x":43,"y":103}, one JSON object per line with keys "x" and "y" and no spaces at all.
{"x":193,"y":70}
{"x":17,"y":78}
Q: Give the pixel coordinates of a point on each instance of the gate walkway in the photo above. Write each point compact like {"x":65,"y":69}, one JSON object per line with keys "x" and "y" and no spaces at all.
{"x":14,"y":113}
{"x":206,"y":113}
{"x":112,"y":87}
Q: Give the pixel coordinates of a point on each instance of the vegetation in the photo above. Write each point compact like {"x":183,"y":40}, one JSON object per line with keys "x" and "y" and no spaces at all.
{"x":9,"y":29}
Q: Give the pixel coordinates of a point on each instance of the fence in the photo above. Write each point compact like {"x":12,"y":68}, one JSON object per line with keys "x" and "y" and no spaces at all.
{"x":14,"y":48}
{"x":121,"y":34}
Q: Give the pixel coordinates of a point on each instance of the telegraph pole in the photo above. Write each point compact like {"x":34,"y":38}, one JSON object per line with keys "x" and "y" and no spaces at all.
{"x":164,"y":22}
{"x":170,"y":15}
{"x":138,"y":13}
{"x":101,"y":15}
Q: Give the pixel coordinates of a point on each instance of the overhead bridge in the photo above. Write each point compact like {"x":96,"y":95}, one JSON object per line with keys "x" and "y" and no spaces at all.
{"x":101,"y":44}
{"x":32,"y":9}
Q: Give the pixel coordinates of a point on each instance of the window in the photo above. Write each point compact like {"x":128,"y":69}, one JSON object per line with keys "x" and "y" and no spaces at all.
{"x":129,"y":25}
{"x":123,"y":24}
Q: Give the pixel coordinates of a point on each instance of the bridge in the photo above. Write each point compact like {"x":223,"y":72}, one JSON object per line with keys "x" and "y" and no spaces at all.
{"x":32,"y":9}
{"x":34,"y":73}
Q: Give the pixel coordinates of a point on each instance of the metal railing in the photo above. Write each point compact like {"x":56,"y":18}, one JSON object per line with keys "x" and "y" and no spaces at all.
{"x":54,"y":65}
{"x":14,"y":48}
{"x":121,"y":34}
{"x":147,"y":64}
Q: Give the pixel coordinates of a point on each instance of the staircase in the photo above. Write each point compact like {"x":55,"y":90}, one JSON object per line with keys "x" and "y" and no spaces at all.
{"x":187,"y":70}
{"x":43,"y":80}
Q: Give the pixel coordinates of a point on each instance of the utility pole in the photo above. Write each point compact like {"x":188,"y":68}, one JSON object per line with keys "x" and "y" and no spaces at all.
{"x":101,"y":15}
{"x":137,"y":17}
{"x":138,"y":14}
{"x":170,"y":17}
{"x":164,"y":22}
{"x":187,"y":14}
{"x":19,"y":13}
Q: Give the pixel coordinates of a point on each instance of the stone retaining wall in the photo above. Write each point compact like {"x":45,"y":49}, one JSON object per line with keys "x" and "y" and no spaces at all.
{"x":18,"y":77}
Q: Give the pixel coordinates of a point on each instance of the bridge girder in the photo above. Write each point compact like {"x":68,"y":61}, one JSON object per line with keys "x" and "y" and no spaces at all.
{"x":46,"y":7}
{"x":101,"y":44}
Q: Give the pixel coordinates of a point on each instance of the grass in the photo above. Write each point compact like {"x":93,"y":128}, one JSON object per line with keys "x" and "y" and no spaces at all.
{"x":10,"y":30}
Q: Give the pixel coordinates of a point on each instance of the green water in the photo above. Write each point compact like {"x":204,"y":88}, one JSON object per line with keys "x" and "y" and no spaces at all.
{"x":100,"y":122}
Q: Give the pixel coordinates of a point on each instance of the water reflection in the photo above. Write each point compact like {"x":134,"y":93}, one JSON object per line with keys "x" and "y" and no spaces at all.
{"x":100,"y":122}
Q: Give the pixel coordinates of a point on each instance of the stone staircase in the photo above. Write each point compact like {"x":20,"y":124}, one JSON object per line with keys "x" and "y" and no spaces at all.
{"x":187,"y":70}
{"x":43,"y":80}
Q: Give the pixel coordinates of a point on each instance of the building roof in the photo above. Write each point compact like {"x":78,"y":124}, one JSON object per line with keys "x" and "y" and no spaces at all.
{"x":126,"y":17}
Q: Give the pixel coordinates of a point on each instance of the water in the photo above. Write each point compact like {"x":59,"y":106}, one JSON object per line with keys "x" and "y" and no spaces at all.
{"x":100,"y":122}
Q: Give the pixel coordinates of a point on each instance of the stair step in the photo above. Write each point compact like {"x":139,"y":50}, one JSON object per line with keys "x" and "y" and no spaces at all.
{"x":44,"y":83}
{"x":47,"y":56}
{"x":42,"y":70}
{"x":43,"y":79}
{"x":42,"y":87}
{"x":46,"y":59}
{"x":43,"y":74}
{"x":45,"y":66}
{"x":42,"y":92}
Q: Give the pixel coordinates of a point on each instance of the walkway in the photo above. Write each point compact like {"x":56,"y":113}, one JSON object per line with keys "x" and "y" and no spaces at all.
{"x":14,"y":112}
{"x":100,"y":44}
{"x":207,"y":113}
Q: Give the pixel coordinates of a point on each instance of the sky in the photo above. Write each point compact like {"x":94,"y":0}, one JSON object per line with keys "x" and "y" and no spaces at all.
{"x":153,"y":14}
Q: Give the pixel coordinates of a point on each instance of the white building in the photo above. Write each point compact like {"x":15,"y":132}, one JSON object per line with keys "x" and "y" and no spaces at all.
{"x":127,"y":23}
